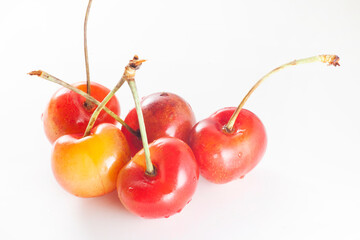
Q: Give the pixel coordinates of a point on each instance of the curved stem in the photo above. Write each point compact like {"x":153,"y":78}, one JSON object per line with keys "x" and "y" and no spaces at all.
{"x":330,"y":59}
{"x":149,"y":165}
{"x":88,"y":88}
{"x":129,"y":73}
{"x":53,"y":79}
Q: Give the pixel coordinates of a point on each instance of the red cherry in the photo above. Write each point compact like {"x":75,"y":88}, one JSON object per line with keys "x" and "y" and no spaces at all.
{"x":224,"y":156}
{"x":165,"y":115}
{"x":67,"y":112}
{"x":231,"y":142}
{"x":169,"y":189}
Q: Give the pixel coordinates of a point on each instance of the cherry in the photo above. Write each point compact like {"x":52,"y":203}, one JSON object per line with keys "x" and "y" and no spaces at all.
{"x":69,"y":113}
{"x":231,"y":142}
{"x":162,"y":185}
{"x":165,"y":115}
{"x":224,"y":156}
{"x":89,"y":98}
{"x":88,"y":167}
{"x":169,"y":189}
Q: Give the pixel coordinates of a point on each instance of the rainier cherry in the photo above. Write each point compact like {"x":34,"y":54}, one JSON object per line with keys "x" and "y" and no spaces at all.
{"x":231,"y":142}
{"x":88,"y":167}
{"x":67,"y":111}
{"x":165,"y":115}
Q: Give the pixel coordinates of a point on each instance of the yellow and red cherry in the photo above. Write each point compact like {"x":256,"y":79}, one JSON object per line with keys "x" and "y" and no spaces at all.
{"x":165,"y":115}
{"x":168,"y":189}
{"x":231,"y":142}
{"x":88,"y":166}
{"x":69,"y":113}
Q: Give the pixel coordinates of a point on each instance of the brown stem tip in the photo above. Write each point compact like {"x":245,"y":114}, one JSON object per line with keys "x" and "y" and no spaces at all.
{"x":330,"y":59}
{"x":135,"y":63}
{"x":37,"y":73}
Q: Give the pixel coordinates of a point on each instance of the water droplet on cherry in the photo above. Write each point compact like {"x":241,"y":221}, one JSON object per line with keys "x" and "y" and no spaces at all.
{"x":240,"y":155}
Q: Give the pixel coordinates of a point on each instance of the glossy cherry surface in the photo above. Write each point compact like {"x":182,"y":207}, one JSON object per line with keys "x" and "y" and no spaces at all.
{"x":165,"y":115}
{"x":171,"y":187}
{"x":224,"y":156}
{"x":88,"y":166}
{"x":67,"y":112}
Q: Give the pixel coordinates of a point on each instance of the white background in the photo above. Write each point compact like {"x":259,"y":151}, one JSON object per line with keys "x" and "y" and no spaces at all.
{"x":307,"y":186}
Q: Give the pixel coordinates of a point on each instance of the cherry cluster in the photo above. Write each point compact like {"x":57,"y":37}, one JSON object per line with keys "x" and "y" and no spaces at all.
{"x":91,"y":156}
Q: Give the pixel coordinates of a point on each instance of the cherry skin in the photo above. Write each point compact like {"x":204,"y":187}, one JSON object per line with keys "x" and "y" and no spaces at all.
{"x":224,"y":156}
{"x":68,"y":112}
{"x":88,"y":166}
{"x":165,"y":115}
{"x":169,"y":189}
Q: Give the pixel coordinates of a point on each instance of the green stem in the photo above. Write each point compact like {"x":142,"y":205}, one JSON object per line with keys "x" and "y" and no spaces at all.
{"x":330,"y":59}
{"x":100,"y":107}
{"x":53,"y":79}
{"x":129,"y":74}
{"x":149,"y":165}
{"x":86,"y":49}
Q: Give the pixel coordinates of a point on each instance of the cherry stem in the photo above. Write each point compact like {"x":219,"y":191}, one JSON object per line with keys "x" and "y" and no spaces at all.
{"x":329,"y":59}
{"x":88,"y":88}
{"x":149,"y":166}
{"x":129,"y":73}
{"x":53,"y":79}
